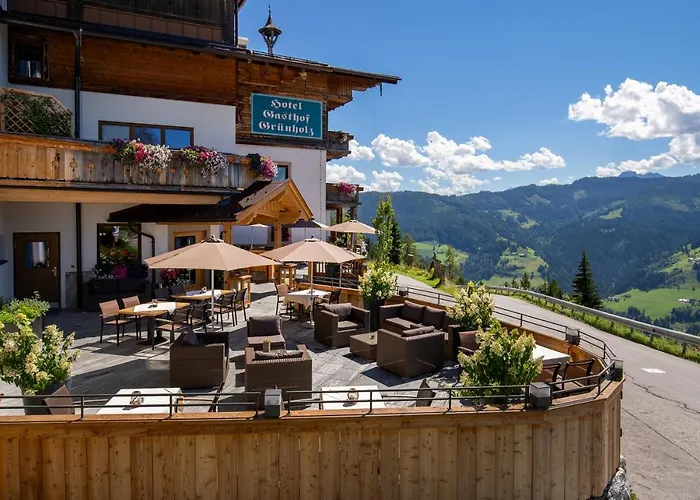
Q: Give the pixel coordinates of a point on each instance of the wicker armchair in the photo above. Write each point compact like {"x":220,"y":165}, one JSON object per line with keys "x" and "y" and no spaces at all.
{"x":288,"y":374}
{"x":408,"y":356}
{"x":334,"y":324}
{"x":202,"y":365}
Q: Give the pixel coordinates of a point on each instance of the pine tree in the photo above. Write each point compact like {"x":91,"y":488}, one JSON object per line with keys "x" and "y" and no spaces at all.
{"x":584,"y":287}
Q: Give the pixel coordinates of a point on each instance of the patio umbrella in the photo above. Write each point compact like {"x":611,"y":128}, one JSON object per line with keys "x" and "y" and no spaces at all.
{"x":312,"y":250}
{"x":211,"y":253}
{"x":353,"y":227}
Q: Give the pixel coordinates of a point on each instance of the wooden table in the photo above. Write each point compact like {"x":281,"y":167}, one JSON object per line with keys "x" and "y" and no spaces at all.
{"x":364,"y":345}
{"x":339,"y":400}
{"x":163,"y":398}
{"x":150,"y":312}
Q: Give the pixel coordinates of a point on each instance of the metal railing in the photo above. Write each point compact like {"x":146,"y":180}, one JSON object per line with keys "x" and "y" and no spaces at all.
{"x":520,"y":318}
{"x":684,"y":339}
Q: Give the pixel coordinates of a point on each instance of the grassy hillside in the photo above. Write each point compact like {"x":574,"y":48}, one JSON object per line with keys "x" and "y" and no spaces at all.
{"x":425,"y":250}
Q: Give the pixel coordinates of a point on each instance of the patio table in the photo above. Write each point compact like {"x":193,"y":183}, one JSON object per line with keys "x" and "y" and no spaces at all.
{"x":339,"y":400}
{"x":151,"y":311}
{"x":550,"y":356}
{"x":161,"y":397}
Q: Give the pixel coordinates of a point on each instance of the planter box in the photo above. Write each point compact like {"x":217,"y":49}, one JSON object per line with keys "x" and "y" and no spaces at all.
{"x":37,"y":327}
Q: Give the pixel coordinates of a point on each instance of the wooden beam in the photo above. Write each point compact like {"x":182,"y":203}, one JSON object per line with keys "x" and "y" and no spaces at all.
{"x":90,"y":196}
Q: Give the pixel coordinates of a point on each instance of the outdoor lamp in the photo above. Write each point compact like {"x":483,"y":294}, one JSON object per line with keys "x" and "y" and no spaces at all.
{"x":573,"y":336}
{"x":273,"y":403}
{"x":616,"y":371}
{"x":540,"y":395}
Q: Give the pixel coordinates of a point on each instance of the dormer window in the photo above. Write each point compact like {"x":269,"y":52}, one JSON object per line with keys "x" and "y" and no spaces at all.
{"x":29,"y":60}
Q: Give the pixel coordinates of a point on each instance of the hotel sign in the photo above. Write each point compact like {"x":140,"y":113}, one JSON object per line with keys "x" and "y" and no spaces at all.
{"x":286,"y":116}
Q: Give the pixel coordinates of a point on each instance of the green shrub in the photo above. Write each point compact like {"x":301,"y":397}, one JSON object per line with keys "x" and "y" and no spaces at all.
{"x":504,"y":358}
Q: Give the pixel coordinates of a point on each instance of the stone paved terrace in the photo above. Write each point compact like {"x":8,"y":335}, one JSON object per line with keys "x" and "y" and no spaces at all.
{"x":104,"y":368}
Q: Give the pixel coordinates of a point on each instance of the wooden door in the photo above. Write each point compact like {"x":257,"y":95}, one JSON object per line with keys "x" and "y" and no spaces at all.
{"x":37,"y":262}
{"x":185,"y":239}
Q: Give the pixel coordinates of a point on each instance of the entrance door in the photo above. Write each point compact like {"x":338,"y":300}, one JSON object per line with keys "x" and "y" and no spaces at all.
{"x":38,"y":266}
{"x":184,"y":239}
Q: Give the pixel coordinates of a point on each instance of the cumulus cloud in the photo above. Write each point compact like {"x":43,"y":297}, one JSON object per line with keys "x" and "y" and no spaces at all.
{"x":385,"y":181}
{"x":655,"y":163}
{"x":344,"y":173}
{"x":639,"y":111}
{"x":548,"y":182}
{"x":358,"y":152}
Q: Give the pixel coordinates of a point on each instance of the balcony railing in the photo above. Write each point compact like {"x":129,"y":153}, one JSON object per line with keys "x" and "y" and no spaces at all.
{"x":335,"y":197}
{"x":86,"y":164}
{"x":208,"y":11}
{"x":337,"y":145}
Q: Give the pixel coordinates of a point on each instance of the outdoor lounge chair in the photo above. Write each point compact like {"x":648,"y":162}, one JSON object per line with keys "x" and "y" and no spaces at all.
{"x":262,"y":328}
{"x":109,"y":315}
{"x":205,"y":364}
{"x":412,"y":352}
{"x":334,"y":324}
{"x":293,"y":373}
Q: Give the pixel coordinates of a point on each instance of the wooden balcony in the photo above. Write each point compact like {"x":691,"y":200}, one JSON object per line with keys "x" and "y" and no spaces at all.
{"x":337,"y":145}
{"x":33,"y":161}
{"x":337,"y":199}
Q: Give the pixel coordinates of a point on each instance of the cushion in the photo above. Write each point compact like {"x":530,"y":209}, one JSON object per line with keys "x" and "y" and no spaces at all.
{"x":262,"y":326}
{"x":468,"y":340}
{"x":342,"y":310}
{"x":190,"y":338}
{"x":262,"y":355}
{"x":417,"y":331}
{"x":344,"y":326}
{"x":399,"y":323}
{"x":425,"y":392}
{"x":412,"y":312}
{"x":434,"y":317}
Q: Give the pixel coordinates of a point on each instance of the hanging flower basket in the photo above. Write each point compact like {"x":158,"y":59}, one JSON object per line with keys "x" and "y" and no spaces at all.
{"x":208,"y":161}
{"x":146,"y":157}
{"x":347,"y":188}
{"x":263,"y":166}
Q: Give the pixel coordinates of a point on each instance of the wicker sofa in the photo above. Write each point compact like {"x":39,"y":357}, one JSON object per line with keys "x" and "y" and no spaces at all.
{"x":407,"y":354}
{"x":203,"y":365}
{"x":288,"y":374}
{"x":335,"y":323}
{"x":398,"y":318}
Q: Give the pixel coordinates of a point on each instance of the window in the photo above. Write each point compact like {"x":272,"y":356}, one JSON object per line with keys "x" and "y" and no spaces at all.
{"x":118,"y":241}
{"x":28,"y":60}
{"x":173,"y":137}
{"x":282,"y":172}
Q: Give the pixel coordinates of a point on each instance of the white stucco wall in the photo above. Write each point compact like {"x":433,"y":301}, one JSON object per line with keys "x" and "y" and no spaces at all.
{"x":307,"y":169}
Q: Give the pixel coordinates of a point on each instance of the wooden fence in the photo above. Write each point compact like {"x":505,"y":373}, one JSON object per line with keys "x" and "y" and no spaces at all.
{"x":565,"y":453}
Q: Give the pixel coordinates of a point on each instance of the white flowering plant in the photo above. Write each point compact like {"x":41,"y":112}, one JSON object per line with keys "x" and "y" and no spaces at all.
{"x":504,"y":358}
{"x":32,"y":363}
{"x":473,"y":308}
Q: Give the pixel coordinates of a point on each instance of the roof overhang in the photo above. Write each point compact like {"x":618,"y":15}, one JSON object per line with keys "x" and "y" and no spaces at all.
{"x":262,"y":202}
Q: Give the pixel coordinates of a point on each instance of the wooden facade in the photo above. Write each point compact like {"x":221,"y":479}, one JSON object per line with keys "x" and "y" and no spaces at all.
{"x":568,"y":452}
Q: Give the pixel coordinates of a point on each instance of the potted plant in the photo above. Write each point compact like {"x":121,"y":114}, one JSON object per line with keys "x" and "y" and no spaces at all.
{"x":377,"y":285}
{"x":504,"y":358}
{"x":32,"y":308}
{"x":38,"y":366}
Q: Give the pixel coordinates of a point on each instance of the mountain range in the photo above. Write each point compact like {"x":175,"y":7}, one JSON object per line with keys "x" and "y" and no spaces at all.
{"x":629,"y":227}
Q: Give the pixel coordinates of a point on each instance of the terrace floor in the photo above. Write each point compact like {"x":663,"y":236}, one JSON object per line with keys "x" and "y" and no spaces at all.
{"x":105,"y":368}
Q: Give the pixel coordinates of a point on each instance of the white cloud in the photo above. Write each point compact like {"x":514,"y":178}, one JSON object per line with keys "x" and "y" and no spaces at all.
{"x":497,"y":178}
{"x":358,"y":152}
{"x":385,"y":181}
{"x":638,"y":111}
{"x":655,"y":163}
{"x":548,"y":182}
{"x":343,"y":173}
{"x":394,"y":152}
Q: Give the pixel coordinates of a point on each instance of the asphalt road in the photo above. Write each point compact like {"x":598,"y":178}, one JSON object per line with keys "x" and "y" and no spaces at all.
{"x":660,"y":411}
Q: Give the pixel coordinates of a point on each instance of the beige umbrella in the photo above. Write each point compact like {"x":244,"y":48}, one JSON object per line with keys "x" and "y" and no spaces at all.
{"x":211,"y":253}
{"x":312,"y":250}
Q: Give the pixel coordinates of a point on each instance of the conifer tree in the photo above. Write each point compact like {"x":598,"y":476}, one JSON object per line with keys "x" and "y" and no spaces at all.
{"x":584,"y":287}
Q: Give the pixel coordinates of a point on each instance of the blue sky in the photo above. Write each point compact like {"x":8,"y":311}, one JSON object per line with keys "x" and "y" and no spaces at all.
{"x":505,"y":73}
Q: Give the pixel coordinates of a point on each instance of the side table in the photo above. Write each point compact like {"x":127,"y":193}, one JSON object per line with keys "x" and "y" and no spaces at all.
{"x":364,"y":345}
